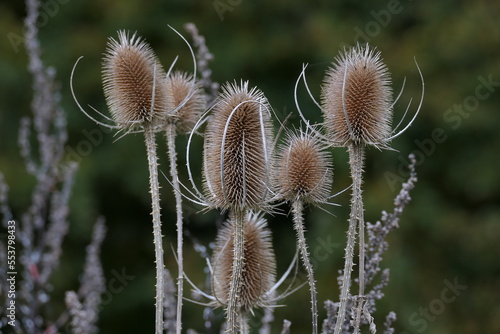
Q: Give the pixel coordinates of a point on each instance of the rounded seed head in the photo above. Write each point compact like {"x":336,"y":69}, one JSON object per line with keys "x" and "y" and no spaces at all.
{"x":356,"y":98}
{"x":303,"y":169}
{"x":237,"y":149}
{"x":259,"y":268}
{"x":134,"y":82}
{"x":188,"y":111}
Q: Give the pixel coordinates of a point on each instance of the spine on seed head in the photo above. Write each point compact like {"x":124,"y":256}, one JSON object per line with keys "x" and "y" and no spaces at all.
{"x":134,"y":82}
{"x":237,"y":149}
{"x":357,"y":98}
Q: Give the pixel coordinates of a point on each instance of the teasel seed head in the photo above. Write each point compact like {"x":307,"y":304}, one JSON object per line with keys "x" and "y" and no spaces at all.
{"x":357,"y":98}
{"x":303,"y":169}
{"x":237,"y":149}
{"x":259,"y":269}
{"x":186,"y":99}
{"x":134,"y":82}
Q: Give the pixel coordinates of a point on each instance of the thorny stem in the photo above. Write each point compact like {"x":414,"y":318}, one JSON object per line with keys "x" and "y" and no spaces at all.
{"x":298,"y":224}
{"x":170,"y":134}
{"x":155,"y":203}
{"x":233,"y":311}
{"x":356,"y":157}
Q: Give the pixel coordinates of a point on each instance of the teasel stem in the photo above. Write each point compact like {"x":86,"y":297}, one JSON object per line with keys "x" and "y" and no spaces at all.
{"x":298,"y":224}
{"x":234,"y":311}
{"x":170,"y":133}
{"x":243,"y":321}
{"x":356,"y":159}
{"x":157,"y":236}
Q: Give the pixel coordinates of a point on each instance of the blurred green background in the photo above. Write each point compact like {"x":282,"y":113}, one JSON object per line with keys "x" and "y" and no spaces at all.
{"x":450,"y":231}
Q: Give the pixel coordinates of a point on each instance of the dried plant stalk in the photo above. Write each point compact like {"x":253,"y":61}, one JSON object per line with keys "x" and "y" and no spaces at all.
{"x":237,"y":158}
{"x":357,"y":107}
{"x":135,"y":90}
{"x":185,"y":102}
{"x":298,"y":224}
{"x":304,"y":175}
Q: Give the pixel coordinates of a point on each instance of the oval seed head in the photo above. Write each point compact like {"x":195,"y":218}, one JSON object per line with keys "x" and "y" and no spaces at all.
{"x":259,"y":268}
{"x":237,"y":149}
{"x":304,"y":170}
{"x":179,"y":86}
{"x":134,"y":82}
{"x":357,"y":86}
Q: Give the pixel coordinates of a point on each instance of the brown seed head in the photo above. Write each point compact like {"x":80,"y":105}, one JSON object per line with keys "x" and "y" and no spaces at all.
{"x":179,"y":86}
{"x":358,"y":86}
{"x":304,"y":169}
{"x":259,"y":269}
{"x":130,"y":72}
{"x":237,"y":149}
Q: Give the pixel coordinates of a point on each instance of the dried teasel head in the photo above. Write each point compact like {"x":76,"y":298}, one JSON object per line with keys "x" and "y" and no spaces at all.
{"x":134,"y":82}
{"x":303,"y":169}
{"x":186,"y":99}
{"x":357,"y":98}
{"x":237,"y":149}
{"x":259,"y":269}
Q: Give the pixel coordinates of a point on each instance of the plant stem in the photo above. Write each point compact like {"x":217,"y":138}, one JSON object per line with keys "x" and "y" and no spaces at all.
{"x":356,"y":156}
{"x":233,"y":311}
{"x":356,"y":159}
{"x":170,"y":134}
{"x":298,"y":224}
{"x":157,"y":236}
{"x":243,"y":321}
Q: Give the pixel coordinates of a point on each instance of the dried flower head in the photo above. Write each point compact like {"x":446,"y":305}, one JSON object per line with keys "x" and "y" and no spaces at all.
{"x":303,"y":170}
{"x":237,"y":150}
{"x":356,"y":98}
{"x":186,"y":97}
{"x":134,"y":82}
{"x":259,"y":269}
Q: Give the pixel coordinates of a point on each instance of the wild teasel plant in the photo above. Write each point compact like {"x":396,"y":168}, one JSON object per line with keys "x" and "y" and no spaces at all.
{"x":357,"y":109}
{"x":186,"y":102}
{"x":143,"y":98}
{"x":135,"y":92}
{"x":237,"y":159}
{"x":303,"y":175}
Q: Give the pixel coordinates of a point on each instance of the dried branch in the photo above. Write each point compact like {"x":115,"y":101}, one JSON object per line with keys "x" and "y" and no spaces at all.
{"x":84,"y":314}
{"x":203,"y":57}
